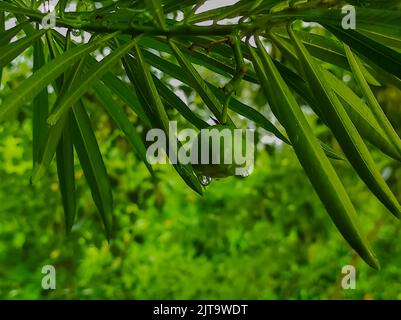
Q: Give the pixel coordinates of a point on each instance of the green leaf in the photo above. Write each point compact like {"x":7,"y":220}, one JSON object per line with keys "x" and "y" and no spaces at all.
{"x":318,"y":168}
{"x":386,"y":21}
{"x":92,"y":165}
{"x":80,"y":87}
{"x":126,"y":94}
{"x":53,"y":137}
{"x":198,"y":83}
{"x":372,"y":102}
{"x":172,"y":5}
{"x":30,"y":87}
{"x":155,"y":6}
{"x":2,"y":28}
{"x":129,"y":65}
{"x":361,"y":116}
{"x":119,"y":87}
{"x":6,"y":36}
{"x":344,"y":130}
{"x":193,"y":56}
{"x":323,"y":48}
{"x":11,"y":51}
{"x":250,"y":113}
{"x":121,"y":119}
{"x":62,"y":4}
{"x":393,"y":41}
{"x":65,"y":171}
{"x":235,"y":105}
{"x":40,"y":106}
{"x":359,"y":113}
{"x":385,"y":57}
{"x":150,"y":92}
{"x":54,"y":133}
{"x":175,"y":102}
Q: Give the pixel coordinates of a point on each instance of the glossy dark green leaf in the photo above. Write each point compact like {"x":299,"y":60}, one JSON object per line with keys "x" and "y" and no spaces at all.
{"x":92,"y":164}
{"x":385,"y":57}
{"x":318,"y":168}
{"x":175,"y":102}
{"x":150,"y":92}
{"x":325,"y":49}
{"x":30,"y":87}
{"x":344,"y":130}
{"x":155,"y":6}
{"x":7,"y":35}
{"x":121,"y":119}
{"x":198,"y":83}
{"x":380,"y":116}
{"x":94,"y":73}
{"x":66,"y":174}
{"x":13,"y":50}
{"x":235,"y":105}
{"x":126,"y":94}
{"x":40,"y":106}
{"x":359,"y":113}
{"x":386,"y":21}
{"x":2,"y":28}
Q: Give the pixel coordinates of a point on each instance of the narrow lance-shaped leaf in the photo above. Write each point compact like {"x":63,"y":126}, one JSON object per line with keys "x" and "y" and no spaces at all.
{"x":121,"y":119}
{"x":54,"y":51}
{"x":194,"y":56}
{"x":344,"y":130}
{"x":119,"y":87}
{"x":126,"y":94}
{"x":40,"y":106}
{"x":318,"y":168}
{"x":92,"y":165}
{"x":185,"y":171}
{"x":62,"y":84}
{"x":250,"y":113}
{"x":13,"y":50}
{"x":175,"y":102}
{"x":155,"y":6}
{"x":30,"y":87}
{"x":80,"y":87}
{"x":234,"y":104}
{"x":385,"y":57}
{"x":372,"y":102}
{"x":61,"y":6}
{"x":2,"y":28}
{"x":198,"y":83}
{"x":361,"y":116}
{"x":323,"y":48}
{"x":129,"y":67}
{"x":390,"y":40}
{"x":6,"y":36}
{"x":359,"y":113}
{"x":61,"y":134}
{"x":66,"y":176}
{"x":385,"y":20}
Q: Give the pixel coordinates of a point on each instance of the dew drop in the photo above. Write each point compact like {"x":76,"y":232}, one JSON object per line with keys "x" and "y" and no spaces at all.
{"x":205,"y":180}
{"x":76,"y":32}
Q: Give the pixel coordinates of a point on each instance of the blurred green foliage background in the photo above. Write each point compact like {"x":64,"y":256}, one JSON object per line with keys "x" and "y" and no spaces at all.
{"x":266,"y":236}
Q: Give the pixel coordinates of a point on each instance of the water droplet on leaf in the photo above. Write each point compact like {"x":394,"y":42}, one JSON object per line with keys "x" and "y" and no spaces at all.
{"x":76,"y":32}
{"x":204,"y":180}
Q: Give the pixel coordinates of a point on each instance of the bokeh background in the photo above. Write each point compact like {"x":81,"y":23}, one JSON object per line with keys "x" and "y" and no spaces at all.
{"x":266,"y":236}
